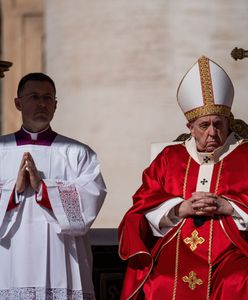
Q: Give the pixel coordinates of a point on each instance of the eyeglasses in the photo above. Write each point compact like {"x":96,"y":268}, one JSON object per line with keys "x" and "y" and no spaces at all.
{"x":37,"y":97}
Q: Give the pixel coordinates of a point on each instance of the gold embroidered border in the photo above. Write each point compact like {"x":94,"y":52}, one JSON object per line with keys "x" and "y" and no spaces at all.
{"x":206,"y":81}
{"x":186,"y":177}
{"x":218,"y":177}
{"x":210,"y":258}
{"x":207,"y":109}
{"x":211,"y":235}
{"x":137,"y":253}
{"x":176,"y":266}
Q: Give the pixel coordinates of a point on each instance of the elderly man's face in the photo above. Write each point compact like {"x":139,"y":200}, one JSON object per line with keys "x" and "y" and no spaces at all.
{"x":210,"y":132}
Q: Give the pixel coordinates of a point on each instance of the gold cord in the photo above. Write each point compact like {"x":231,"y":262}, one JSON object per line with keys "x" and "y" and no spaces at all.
{"x":211,"y":237}
{"x":176,"y":265}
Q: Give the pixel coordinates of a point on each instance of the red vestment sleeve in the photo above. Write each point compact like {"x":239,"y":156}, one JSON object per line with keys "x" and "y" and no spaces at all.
{"x":12,"y":203}
{"x":237,"y":237}
{"x":240,"y":200}
{"x":137,"y":235}
{"x":45,"y":202}
{"x":234,"y":178}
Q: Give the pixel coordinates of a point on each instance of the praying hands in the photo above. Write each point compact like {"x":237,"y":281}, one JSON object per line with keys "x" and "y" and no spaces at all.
{"x":27,"y":174}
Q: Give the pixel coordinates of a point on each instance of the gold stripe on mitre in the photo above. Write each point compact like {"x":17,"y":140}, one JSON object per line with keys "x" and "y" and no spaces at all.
{"x":206,"y":81}
{"x":209,"y":106}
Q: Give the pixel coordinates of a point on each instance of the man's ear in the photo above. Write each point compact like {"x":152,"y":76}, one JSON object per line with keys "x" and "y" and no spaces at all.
{"x":18,"y":103}
{"x":189,"y":125}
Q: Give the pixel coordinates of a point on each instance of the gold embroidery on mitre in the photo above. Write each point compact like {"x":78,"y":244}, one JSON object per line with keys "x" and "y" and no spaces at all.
{"x":192,"y":280}
{"x":206,"y":81}
{"x":194,"y":240}
{"x":209,"y":107}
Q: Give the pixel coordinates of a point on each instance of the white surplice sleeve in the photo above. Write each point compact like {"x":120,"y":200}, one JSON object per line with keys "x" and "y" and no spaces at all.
{"x":6,"y":221}
{"x":240,"y":217}
{"x":162,"y":218}
{"x":77,"y":201}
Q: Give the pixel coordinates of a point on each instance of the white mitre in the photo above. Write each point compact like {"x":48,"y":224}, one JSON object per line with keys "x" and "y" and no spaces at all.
{"x":205,"y":89}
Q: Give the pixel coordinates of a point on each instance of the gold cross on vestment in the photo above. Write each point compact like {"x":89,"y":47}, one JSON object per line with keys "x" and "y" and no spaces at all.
{"x":194,"y":240}
{"x":192,"y":280}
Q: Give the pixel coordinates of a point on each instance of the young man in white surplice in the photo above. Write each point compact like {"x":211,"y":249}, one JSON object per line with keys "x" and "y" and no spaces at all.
{"x":51,"y":192}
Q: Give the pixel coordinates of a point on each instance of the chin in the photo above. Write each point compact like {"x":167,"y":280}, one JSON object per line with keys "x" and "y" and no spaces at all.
{"x":40,"y":124}
{"x":41,"y":119}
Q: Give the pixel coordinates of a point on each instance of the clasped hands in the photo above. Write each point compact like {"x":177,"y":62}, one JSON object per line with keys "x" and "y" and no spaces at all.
{"x":27,"y":174}
{"x":203,"y":204}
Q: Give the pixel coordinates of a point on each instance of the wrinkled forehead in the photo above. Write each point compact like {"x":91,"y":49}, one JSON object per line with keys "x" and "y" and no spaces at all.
{"x":211,"y":119}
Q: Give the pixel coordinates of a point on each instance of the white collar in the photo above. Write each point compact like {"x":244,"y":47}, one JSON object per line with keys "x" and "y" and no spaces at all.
{"x":34,"y":135}
{"x":232,"y":142}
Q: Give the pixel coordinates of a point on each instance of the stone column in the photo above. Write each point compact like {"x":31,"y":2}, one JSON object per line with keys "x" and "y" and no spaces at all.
{"x":22,"y":43}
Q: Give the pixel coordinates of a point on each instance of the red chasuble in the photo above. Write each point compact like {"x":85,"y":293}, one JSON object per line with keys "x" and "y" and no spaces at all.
{"x":194,"y":260}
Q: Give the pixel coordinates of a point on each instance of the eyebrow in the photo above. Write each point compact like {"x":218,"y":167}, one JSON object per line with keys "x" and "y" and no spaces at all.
{"x":204,"y":123}
{"x":216,"y":122}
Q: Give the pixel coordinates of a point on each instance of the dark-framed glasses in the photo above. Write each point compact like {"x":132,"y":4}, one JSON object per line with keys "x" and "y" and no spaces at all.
{"x":36,"y":97}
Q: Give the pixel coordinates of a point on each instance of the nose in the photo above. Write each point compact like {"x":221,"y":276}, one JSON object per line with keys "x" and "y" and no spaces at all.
{"x":212,"y":130}
{"x":42,"y":101}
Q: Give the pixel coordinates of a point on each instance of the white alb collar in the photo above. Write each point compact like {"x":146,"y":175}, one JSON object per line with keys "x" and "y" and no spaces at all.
{"x":213,"y":157}
{"x":34,"y":135}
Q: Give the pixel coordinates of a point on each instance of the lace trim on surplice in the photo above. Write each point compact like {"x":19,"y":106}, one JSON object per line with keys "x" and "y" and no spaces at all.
{"x":37,"y":293}
{"x":70,"y":201}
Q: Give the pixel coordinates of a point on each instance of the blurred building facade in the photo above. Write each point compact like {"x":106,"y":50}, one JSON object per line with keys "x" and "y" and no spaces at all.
{"x":117,"y":65}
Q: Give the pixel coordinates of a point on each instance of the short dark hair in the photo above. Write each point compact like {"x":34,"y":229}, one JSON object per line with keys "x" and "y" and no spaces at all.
{"x":34,"y":77}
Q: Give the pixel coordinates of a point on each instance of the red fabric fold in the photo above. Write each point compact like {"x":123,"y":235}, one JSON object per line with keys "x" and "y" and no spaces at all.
{"x":45,"y":202}
{"x":12,"y":203}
